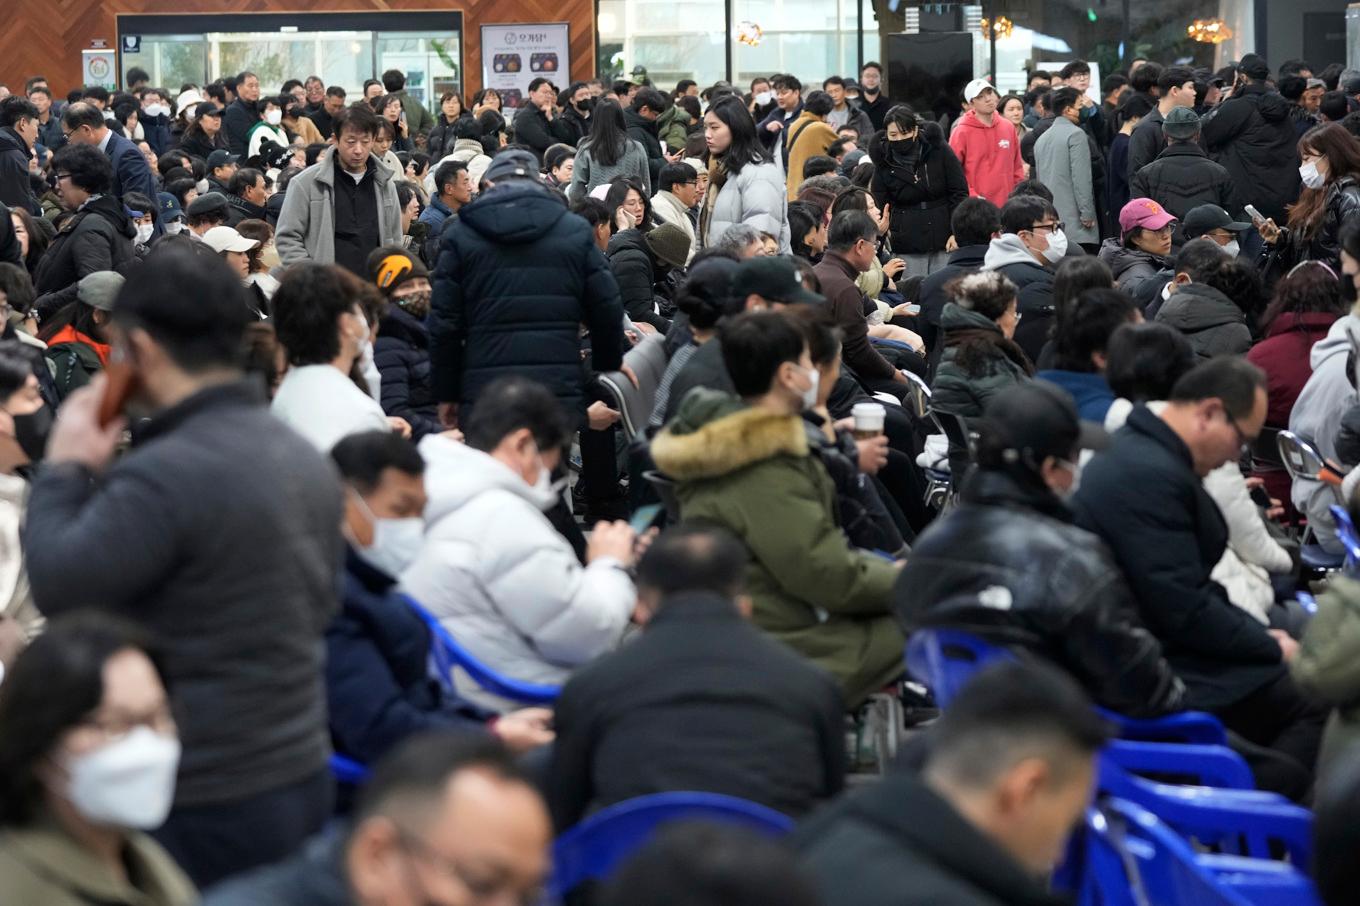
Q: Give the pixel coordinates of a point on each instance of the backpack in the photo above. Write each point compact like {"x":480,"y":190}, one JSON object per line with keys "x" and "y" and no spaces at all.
{"x":73,"y":365}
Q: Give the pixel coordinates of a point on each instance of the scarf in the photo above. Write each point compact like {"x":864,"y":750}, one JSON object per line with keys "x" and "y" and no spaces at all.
{"x":717,"y":177}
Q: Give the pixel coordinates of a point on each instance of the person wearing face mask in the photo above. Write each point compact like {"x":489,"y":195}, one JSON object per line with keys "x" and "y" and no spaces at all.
{"x":577,"y":105}
{"x":1013,"y":539}
{"x":89,"y":750}
{"x":318,"y":317}
{"x":1330,"y":198}
{"x":267,"y":134}
{"x":742,"y":462}
{"x":1063,"y":163}
{"x":493,"y":569}
{"x":1140,"y":258}
{"x":1031,"y":245}
{"x":872,"y":99}
{"x":402,"y":350}
{"x":143,"y":213}
{"x":1209,"y":221}
{"x":24,"y":424}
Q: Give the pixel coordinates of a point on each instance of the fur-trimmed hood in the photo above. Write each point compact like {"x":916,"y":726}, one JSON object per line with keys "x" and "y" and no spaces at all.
{"x":715,"y":434}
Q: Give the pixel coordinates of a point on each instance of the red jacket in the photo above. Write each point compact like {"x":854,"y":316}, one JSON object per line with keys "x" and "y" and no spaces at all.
{"x":990,"y":156}
{"x":1284,"y":356}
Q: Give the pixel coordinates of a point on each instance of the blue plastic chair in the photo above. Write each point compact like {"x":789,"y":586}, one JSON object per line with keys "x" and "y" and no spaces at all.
{"x":945,"y":659}
{"x":1215,"y":766}
{"x":347,"y":770}
{"x":594,"y":848}
{"x":1346,"y":534}
{"x":448,"y":654}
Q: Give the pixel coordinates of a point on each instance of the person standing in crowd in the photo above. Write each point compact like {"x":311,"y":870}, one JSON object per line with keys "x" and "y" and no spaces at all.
{"x":1031,"y":244}
{"x":745,"y":186}
{"x":417,"y":118}
{"x":788,"y":106}
{"x":1177,"y":89}
{"x":677,"y":193}
{"x":743,"y":463}
{"x":974,"y":224}
{"x":608,"y":153}
{"x":806,"y":137}
{"x":1182,"y":177}
{"x":453,"y":189}
{"x":986,"y":145}
{"x":1007,"y":776}
{"x":1252,"y":135}
{"x":441,"y":138}
{"x":577,"y":105}
{"x":214,"y":503}
{"x":242,"y":113}
{"x":844,"y":112}
{"x":641,"y":116}
{"x":85,"y":125}
{"x":99,"y":235}
{"x":538,"y":124}
{"x":1330,"y":199}
{"x":438,"y":801}
{"x":402,"y":350}
{"x":18,"y":139}
{"x":482,"y":289}
{"x":323,"y":116}
{"x":1127,"y":116}
{"x":639,"y":721}
{"x":345,"y":206}
{"x":1063,"y":163}
{"x":873,"y":101}
{"x":89,"y":695}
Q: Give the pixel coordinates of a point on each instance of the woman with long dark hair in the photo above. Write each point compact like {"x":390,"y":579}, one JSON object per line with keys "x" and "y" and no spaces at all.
{"x":608,"y":154}
{"x":744,"y":184}
{"x":1330,"y":197}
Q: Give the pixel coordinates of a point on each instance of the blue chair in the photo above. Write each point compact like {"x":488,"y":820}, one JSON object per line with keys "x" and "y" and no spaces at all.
{"x":1346,"y":534}
{"x":1215,"y":766}
{"x":594,"y":848}
{"x":945,"y":659}
{"x":448,"y":654}
{"x":347,"y":770}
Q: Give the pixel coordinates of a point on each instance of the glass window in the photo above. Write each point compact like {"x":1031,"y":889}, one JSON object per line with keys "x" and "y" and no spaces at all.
{"x":663,"y":36}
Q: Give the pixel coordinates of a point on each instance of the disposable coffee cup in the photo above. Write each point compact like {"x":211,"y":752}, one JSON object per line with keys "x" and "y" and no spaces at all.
{"x":868,"y":419}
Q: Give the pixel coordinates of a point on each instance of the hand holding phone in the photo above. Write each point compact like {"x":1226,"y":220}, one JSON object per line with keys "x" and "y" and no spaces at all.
{"x":120,"y":382}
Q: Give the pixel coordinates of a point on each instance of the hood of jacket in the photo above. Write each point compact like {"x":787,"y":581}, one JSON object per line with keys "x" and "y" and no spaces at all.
{"x":111,"y":209}
{"x":1195,"y":306}
{"x":456,"y":474}
{"x":956,"y":317}
{"x":1302,"y":321}
{"x":628,"y":240}
{"x":715,"y":434}
{"x":1120,"y":259}
{"x":1269,"y":103}
{"x":1336,"y":341}
{"x":517,"y":212}
{"x":468,"y":148}
{"x":1008,"y":248}
{"x":970,"y":121}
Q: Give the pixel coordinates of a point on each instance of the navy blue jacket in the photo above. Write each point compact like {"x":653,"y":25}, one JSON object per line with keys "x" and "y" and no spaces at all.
{"x":378,"y":685}
{"x":402,"y":354}
{"x":130,"y":170}
{"x":516,"y":278}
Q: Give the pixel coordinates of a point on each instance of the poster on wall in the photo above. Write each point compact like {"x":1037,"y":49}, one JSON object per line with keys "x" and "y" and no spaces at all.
{"x":514,"y":55}
{"x":99,"y":67}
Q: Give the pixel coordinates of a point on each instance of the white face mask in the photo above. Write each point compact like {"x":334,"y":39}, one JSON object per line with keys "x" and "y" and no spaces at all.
{"x":202,"y":186}
{"x":1057,"y":247}
{"x":764,"y":98}
{"x":137,"y":132}
{"x":144,"y":233}
{"x":810,"y":394}
{"x":155,"y":110}
{"x":1231,"y":249}
{"x":1168,"y":290}
{"x":1311,"y":177}
{"x":129,"y":783}
{"x":1075,"y":469}
{"x":174,"y":228}
{"x":274,"y":117}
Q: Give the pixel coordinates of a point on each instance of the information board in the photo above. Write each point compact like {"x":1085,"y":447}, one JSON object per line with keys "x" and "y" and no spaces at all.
{"x":514,"y":55}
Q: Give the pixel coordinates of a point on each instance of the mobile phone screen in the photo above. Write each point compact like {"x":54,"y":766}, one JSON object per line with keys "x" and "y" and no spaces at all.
{"x":644,"y":517}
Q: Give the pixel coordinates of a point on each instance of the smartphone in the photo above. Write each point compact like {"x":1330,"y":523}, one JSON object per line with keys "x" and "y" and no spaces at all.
{"x":1254,"y":214}
{"x":120,"y":384}
{"x":913,"y":309}
{"x":1260,"y":497}
{"x":644,"y":517}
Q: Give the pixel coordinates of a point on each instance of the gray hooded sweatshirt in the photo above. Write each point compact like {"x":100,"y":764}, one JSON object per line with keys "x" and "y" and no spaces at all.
{"x":1316,"y":418}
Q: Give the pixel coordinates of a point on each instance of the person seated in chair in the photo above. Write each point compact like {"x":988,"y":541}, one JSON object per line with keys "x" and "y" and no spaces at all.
{"x":1010,"y":565}
{"x":743,"y":463}
{"x":1083,"y":333}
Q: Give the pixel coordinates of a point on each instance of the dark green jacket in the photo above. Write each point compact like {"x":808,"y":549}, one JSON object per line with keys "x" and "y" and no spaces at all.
{"x":750,"y":471}
{"x":963,"y":392}
{"x":1328,"y":667}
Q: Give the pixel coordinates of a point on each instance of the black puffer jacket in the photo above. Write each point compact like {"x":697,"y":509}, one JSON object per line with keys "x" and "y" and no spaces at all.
{"x":15,"y":190}
{"x":1343,"y":206}
{"x":643,"y":131}
{"x":517,"y":277}
{"x":98,"y":238}
{"x":923,"y":185}
{"x":1212,"y":323}
{"x":402,"y":354}
{"x":1010,"y":564}
{"x":1140,"y":274}
{"x":859,"y":510}
{"x":1252,"y":135}
{"x":441,"y":138}
{"x":1182,"y":178}
{"x":635,"y":272}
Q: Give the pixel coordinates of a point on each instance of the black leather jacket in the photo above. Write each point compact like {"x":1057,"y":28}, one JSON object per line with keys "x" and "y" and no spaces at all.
{"x":1010,"y":565}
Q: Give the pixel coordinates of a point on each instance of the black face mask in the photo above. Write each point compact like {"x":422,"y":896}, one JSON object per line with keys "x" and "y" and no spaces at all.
{"x":31,"y":432}
{"x":294,"y":112}
{"x":1348,"y":291}
{"x":583,"y":106}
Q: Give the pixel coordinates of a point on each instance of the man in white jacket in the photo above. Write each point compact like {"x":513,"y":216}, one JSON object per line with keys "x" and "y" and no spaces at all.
{"x":500,"y":578}
{"x":679,"y":192}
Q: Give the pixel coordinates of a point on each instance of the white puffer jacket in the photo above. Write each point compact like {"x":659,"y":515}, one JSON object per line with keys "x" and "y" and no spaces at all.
{"x":503,"y":582}
{"x":757,"y":196}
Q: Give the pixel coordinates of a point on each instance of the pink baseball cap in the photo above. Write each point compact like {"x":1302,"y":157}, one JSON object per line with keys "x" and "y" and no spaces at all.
{"x":1145,"y":213}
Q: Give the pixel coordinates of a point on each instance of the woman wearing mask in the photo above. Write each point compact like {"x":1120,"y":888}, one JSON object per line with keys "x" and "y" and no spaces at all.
{"x":88,"y":755}
{"x":608,"y":154}
{"x":744,"y":184}
{"x":24,"y":423}
{"x":402,"y":350}
{"x":760,"y":102}
{"x":918,"y":181}
{"x":143,"y":212}
{"x":980,"y":356}
{"x":268,"y":131}
{"x":1330,"y":198}
{"x":204,"y":134}
{"x":319,"y":319}
{"x":441,"y":138}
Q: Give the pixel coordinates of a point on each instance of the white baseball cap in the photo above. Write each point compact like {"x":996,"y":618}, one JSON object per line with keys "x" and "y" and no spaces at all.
{"x":975,"y":88}
{"x":226,"y":239}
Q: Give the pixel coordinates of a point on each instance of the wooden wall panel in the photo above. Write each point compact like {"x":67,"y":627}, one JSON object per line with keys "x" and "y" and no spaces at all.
{"x":47,"y":36}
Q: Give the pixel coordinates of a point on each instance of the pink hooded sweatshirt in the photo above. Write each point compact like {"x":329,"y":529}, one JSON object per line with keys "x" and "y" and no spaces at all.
{"x":990,"y":156}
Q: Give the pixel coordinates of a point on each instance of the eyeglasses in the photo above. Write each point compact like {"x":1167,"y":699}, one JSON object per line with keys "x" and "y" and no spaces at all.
{"x":1056,"y":225}
{"x":1243,"y":441}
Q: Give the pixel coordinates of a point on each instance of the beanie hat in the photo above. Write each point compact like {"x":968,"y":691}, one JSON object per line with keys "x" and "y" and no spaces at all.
{"x":669,"y":243}
{"x":397,"y":268}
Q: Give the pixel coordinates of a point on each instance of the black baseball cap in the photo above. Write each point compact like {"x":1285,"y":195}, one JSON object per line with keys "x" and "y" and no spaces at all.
{"x":776,"y":279}
{"x":1254,"y":66}
{"x":207,"y":108}
{"x":221,"y":158}
{"x":1035,"y":420}
{"x":1206,"y":217}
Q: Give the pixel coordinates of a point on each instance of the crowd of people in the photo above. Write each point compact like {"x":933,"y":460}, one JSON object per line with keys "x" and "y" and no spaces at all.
{"x":685,"y":409}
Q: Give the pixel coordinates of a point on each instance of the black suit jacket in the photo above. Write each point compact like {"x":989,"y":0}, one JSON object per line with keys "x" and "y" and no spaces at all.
{"x":701,"y":701}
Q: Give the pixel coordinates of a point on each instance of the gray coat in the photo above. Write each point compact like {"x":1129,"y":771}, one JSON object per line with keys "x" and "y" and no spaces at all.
{"x":306,"y":230}
{"x":590,"y":173}
{"x":758,"y":196}
{"x":1063,"y":161}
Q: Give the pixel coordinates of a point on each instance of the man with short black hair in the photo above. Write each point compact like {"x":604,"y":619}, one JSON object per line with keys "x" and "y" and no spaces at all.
{"x":788,"y":106}
{"x":1144,"y":496}
{"x":1007,"y":775}
{"x":872,"y":98}
{"x":676,"y":196}
{"x":1214,"y":324}
{"x":1177,"y":88}
{"x":85,"y":125}
{"x":1030,"y":246}
{"x":218,"y":504}
{"x":640,"y":720}
{"x":1252,"y":135}
{"x":641,"y":118}
{"x":1182,"y":177}
{"x":340,"y":210}
{"x":323,"y":116}
{"x":453,"y":189}
{"x":438,"y":801}
{"x":844,"y":112}
{"x":242,"y":113}
{"x":537,"y":124}
{"x":19,"y":133}
{"x":974,"y":223}
{"x":246,"y":193}
{"x":1082,"y":335}
{"x":418,"y":118}
{"x":99,"y":235}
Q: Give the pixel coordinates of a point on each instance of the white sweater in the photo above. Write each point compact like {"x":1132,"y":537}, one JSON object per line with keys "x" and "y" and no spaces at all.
{"x":323,"y":405}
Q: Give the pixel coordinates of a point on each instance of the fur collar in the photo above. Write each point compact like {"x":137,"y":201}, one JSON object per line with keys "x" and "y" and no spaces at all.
{"x":727,"y":444}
